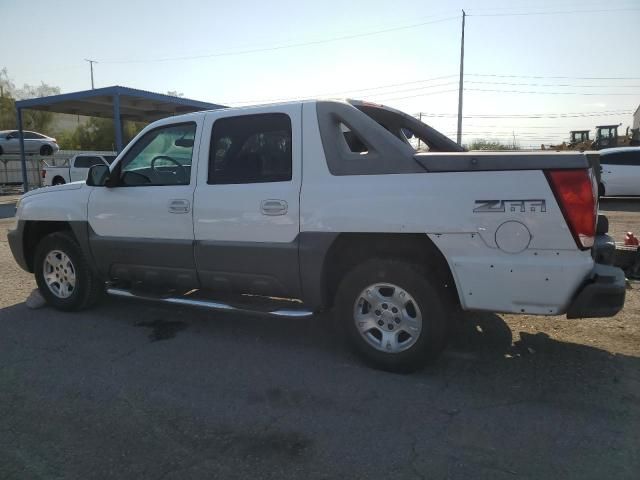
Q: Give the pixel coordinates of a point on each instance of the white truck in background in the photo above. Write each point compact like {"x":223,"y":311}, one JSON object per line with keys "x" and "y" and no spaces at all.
{"x":327,"y":204}
{"x":76,"y":169}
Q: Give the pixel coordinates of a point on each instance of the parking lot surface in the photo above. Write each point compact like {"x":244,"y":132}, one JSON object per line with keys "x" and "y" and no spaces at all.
{"x":137,"y":390}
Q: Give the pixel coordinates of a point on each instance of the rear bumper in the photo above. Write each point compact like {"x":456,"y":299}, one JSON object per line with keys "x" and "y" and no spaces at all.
{"x":601,"y":296}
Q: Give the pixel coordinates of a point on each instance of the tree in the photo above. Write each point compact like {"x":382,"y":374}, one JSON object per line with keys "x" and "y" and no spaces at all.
{"x":36,"y":119}
{"x":7,"y":103}
{"x":484,"y":144}
{"x":31,"y":119}
{"x":97,"y":134}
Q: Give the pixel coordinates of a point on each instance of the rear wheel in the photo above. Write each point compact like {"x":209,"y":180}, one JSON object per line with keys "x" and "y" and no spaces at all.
{"x":1,"y":151}
{"x":46,"y":150}
{"x":394,"y":315}
{"x":58,"y":181}
{"x":63,"y":274}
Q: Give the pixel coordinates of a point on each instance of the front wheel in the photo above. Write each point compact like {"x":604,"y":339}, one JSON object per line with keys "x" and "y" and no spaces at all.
{"x":394,"y":314}
{"x":63,"y":274}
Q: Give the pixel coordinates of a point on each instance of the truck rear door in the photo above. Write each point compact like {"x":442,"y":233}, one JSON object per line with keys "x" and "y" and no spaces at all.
{"x":246,"y":203}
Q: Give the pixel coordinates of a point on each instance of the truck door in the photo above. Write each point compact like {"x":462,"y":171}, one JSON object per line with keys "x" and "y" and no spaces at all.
{"x":246,"y":204}
{"x":621,"y":173}
{"x":141,"y":230}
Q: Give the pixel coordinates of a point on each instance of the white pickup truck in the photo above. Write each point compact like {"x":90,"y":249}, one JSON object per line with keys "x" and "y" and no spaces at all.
{"x":76,"y":169}
{"x":326,"y":203}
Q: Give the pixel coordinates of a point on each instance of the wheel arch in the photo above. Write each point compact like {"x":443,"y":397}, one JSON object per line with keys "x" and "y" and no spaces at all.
{"x":347,"y":250}
{"x":35,"y":231}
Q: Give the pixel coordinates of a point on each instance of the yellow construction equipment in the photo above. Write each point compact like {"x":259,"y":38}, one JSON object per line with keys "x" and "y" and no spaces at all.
{"x":606,"y":137}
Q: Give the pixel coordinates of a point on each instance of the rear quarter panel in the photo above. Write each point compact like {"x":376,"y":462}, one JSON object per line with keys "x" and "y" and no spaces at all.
{"x":541,"y":279}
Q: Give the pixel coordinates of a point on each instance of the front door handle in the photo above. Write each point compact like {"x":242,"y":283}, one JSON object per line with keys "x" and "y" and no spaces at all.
{"x":273,"y":207}
{"x":179,"y":205}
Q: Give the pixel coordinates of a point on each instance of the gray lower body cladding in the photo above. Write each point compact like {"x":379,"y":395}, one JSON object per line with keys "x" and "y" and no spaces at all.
{"x":292,"y":270}
{"x":16,"y":244}
{"x":263,"y":268}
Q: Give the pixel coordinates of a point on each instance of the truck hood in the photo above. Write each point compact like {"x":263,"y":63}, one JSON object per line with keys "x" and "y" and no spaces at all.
{"x":57,"y":188}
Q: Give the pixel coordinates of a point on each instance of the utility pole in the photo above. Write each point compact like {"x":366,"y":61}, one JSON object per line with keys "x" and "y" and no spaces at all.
{"x":460,"y":87}
{"x":91,"y":62}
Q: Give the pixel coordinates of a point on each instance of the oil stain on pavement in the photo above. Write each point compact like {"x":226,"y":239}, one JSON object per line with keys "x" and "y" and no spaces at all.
{"x":163,"y":329}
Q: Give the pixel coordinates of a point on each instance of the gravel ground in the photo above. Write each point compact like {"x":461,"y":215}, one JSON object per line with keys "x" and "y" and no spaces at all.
{"x":135,"y":390}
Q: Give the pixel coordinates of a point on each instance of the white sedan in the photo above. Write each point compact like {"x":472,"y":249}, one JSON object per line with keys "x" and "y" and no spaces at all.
{"x":620,"y":169}
{"x":33,"y":142}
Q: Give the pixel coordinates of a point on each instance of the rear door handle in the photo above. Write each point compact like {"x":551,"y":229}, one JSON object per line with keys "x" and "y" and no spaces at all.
{"x":273,"y":207}
{"x":179,"y":205}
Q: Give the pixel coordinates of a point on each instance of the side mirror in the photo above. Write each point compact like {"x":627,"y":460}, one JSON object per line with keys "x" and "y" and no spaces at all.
{"x":98,"y":176}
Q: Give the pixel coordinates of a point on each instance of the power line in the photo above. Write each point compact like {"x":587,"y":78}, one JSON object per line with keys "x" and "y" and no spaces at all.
{"x":561,"y":77}
{"x":572,"y":85}
{"x":286,"y":46}
{"x":325,"y":94}
{"x":555,"y":4}
{"x":422,"y":87}
{"x":534,"y":115}
{"x":420,"y":95}
{"x":531,"y":92}
{"x":521,"y":14}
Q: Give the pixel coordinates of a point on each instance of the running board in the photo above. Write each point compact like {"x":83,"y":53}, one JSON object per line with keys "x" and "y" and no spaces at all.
{"x":212,"y":305}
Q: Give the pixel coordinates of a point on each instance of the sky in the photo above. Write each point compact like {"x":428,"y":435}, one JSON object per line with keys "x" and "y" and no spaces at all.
{"x":569,"y":64}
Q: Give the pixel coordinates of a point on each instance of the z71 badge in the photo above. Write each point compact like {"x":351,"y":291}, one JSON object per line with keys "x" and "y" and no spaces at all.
{"x":521,"y":206}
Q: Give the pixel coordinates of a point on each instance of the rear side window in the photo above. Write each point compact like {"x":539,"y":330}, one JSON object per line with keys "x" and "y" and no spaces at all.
{"x":250,"y":149}
{"x":621,"y":158}
{"x":87,"y":162}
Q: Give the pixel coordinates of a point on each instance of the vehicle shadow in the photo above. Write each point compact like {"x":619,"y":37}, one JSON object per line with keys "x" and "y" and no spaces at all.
{"x":480,"y":343}
{"x":486,"y":355}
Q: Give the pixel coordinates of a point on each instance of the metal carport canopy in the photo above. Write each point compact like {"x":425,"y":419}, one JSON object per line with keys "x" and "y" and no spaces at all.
{"x":119,"y":103}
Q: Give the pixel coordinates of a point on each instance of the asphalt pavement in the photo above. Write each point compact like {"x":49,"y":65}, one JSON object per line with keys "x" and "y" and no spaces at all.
{"x":134,"y":390}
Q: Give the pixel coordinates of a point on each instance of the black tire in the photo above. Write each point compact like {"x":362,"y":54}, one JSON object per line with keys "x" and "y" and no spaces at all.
{"x":1,"y":151}
{"x":600,"y":190}
{"x":88,"y":287}
{"x":58,"y":181}
{"x":46,"y":150}
{"x":431,"y":301}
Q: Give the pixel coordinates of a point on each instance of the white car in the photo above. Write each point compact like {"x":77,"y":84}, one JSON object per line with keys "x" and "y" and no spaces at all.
{"x":34,"y":142}
{"x":328,"y":205}
{"x":75,"y":170}
{"x":620,"y":172}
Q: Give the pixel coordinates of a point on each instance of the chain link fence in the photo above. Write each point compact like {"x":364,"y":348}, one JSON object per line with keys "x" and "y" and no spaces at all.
{"x":11,"y":168}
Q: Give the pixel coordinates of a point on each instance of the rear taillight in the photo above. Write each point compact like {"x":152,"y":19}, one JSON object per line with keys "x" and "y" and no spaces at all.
{"x":574,"y":193}
{"x":44,"y":173}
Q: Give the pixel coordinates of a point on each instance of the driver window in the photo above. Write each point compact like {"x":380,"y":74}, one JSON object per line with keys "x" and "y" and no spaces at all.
{"x":161,"y":157}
